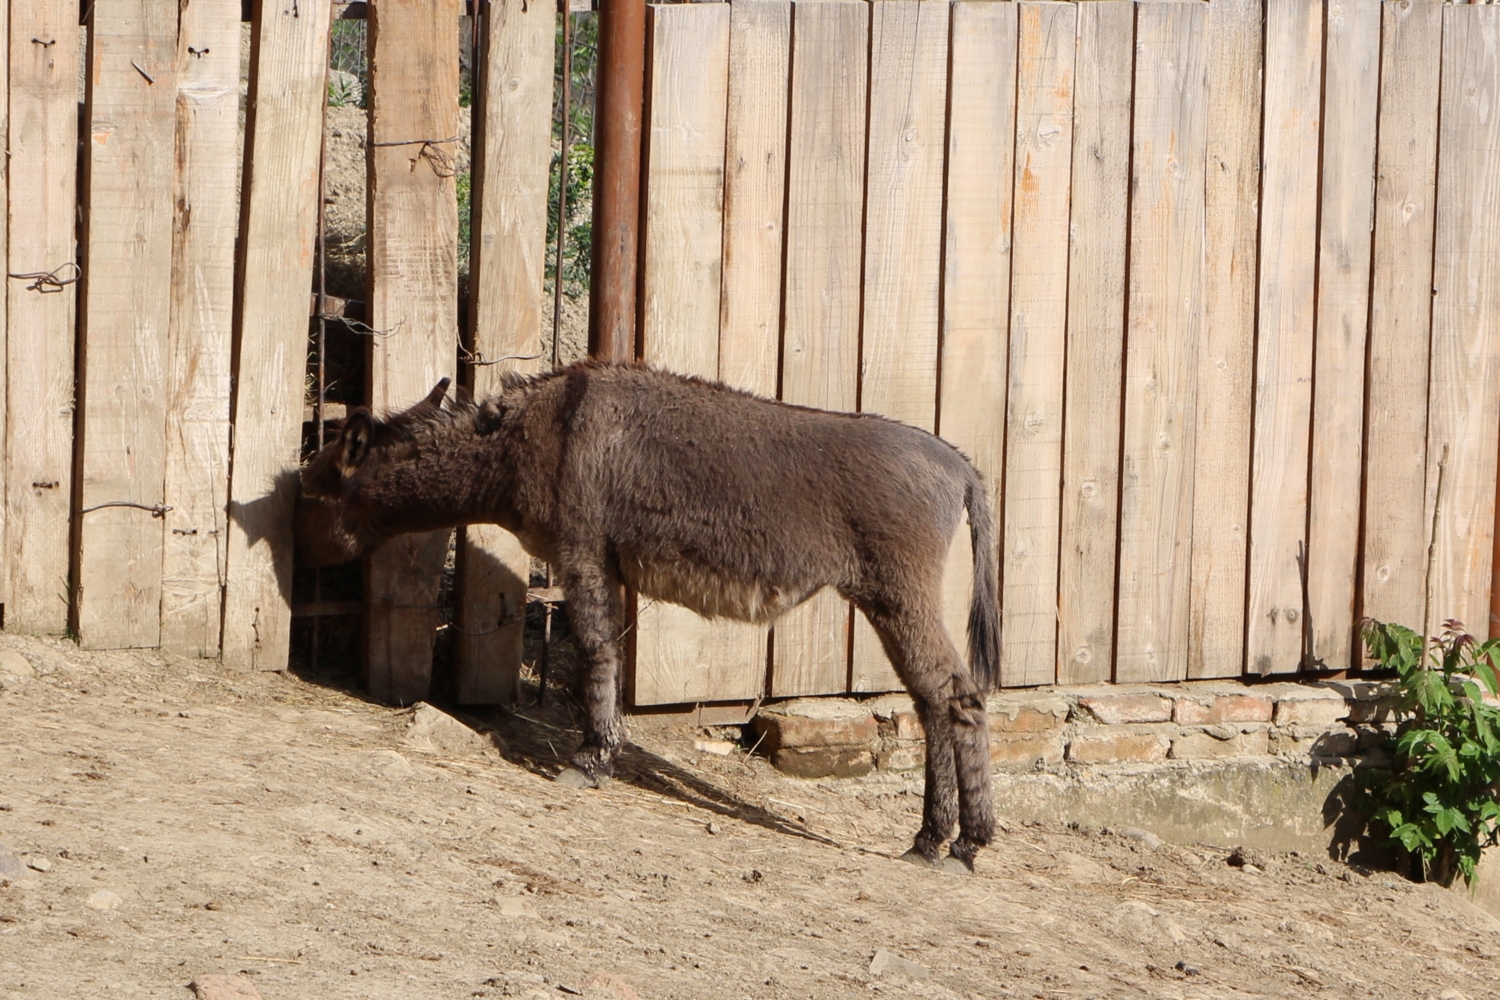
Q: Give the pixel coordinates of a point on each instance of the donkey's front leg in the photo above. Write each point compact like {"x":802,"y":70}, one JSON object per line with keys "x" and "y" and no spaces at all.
{"x":594,"y":600}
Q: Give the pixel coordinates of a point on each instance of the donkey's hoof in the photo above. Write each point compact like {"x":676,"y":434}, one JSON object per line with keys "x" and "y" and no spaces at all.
{"x":916,"y":857}
{"x":575,"y":777}
{"x":955,"y":865}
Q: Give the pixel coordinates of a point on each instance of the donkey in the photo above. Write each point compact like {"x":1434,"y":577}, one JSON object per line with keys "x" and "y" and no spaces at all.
{"x":697,"y":494}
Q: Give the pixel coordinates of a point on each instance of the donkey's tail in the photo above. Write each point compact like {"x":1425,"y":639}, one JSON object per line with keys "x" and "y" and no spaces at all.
{"x":984,"y":606}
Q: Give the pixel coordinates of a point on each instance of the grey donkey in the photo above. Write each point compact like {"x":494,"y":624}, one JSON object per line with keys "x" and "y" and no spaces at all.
{"x":701,"y":495}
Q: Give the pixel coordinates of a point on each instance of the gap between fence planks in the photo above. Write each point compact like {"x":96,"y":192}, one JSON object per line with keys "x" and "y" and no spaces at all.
{"x":413,"y":275}
{"x":1464,"y":392}
{"x":1169,"y":147}
{"x":1096,"y":336}
{"x":1284,"y":349}
{"x":199,"y":343}
{"x":278,"y":223}
{"x":1396,"y":525}
{"x":513,"y":137}
{"x":903,"y":244}
{"x":1038,"y":326}
{"x":820,"y":336}
{"x":1351,"y":83}
{"x":127,"y":294}
{"x":43,"y":144}
{"x":680,"y":656}
{"x":976,"y":262}
{"x":1226,"y":351}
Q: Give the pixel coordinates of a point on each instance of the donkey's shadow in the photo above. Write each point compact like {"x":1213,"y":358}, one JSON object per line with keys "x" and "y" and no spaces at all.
{"x":540,"y":741}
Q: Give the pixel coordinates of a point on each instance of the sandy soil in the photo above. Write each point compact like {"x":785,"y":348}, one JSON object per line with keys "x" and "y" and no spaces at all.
{"x":192,"y":821}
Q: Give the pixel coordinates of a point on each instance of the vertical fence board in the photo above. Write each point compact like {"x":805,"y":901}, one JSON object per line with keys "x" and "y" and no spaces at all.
{"x":1038,"y":326}
{"x":824,"y":216}
{"x":508,"y":265}
{"x":278,"y":223}
{"x":127,"y":289}
{"x":903,"y":242}
{"x":39,"y":325}
{"x":760,"y":38}
{"x":1351,"y":90}
{"x":1284,"y":349}
{"x":976,"y":261}
{"x":203,"y":236}
{"x":1166,"y":295}
{"x":5,"y":171}
{"x":413,"y":265}
{"x":1226,"y":350}
{"x":1464,"y":394}
{"x":681,"y":656}
{"x":1396,"y":528}
{"x":1096,"y":338}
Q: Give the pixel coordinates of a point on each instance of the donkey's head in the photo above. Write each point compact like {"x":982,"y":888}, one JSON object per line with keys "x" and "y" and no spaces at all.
{"x":375,"y":479}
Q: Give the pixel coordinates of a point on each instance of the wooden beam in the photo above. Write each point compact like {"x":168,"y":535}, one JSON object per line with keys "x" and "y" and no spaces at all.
{"x":1096,"y":341}
{"x":1284,"y":344}
{"x":1038,"y":329}
{"x":413,"y":266}
{"x":820,"y":340}
{"x":507,"y":266}
{"x":977,"y":262}
{"x":126,"y":310}
{"x":1168,"y":149}
{"x":1351,"y":92}
{"x":903,"y":243}
{"x":1226,"y":352}
{"x":278,"y":225}
{"x":204,"y":230}
{"x":1396,"y":522}
{"x":43,"y":206}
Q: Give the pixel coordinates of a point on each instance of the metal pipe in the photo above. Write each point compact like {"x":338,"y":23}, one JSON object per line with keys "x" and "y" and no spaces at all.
{"x":562,"y":178}
{"x":617,"y":179}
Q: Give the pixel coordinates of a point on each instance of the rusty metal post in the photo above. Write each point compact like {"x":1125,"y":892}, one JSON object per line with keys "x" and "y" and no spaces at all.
{"x":617,"y":179}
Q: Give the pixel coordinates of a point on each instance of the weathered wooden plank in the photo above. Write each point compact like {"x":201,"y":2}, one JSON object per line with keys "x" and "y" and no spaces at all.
{"x":976,"y":263}
{"x":5,"y":260}
{"x":1169,"y":148}
{"x":40,"y":318}
{"x":1284,"y":347}
{"x":1096,"y":341}
{"x":127,"y":292}
{"x":760,"y":38}
{"x":1396,"y":524}
{"x":413,"y":264}
{"x":1464,"y":392}
{"x":820,"y":352}
{"x":278,"y":226}
{"x":1351,"y":84}
{"x":681,"y":656}
{"x":903,"y":242}
{"x":508,"y":256}
{"x":1038,"y":326}
{"x":1226,"y":349}
{"x":203,"y":236}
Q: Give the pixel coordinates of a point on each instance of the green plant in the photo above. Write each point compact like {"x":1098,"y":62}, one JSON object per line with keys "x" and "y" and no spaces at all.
{"x":1437,"y":798}
{"x":463,"y":184}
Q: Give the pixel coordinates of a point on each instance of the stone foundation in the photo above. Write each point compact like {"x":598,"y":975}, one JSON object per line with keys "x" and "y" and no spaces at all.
{"x":1057,"y":729}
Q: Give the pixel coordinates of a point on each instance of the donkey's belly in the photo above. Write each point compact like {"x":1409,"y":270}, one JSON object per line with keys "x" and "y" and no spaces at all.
{"x":712,"y":594}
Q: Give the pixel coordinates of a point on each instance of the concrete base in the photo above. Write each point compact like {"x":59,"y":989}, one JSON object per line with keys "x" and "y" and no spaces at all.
{"x":1265,"y":803}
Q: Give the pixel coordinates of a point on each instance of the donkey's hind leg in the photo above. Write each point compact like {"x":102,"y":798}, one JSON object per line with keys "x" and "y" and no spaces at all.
{"x":951,"y":708}
{"x":594,"y":613}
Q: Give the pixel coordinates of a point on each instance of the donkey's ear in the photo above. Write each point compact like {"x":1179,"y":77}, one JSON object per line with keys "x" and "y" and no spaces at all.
{"x":354,"y":445}
{"x":435,"y":397}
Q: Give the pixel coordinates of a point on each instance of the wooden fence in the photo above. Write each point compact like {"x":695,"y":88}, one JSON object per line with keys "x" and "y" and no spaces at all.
{"x":1209,"y":291}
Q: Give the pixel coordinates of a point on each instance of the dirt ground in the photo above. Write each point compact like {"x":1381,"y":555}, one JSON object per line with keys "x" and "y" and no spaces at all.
{"x":190,"y":821}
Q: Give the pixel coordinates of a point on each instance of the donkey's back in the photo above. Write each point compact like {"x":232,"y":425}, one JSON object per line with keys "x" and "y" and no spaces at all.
{"x":742,"y":507}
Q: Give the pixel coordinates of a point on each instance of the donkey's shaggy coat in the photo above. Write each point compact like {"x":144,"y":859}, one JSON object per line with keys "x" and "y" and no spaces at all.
{"x":704,"y":496}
